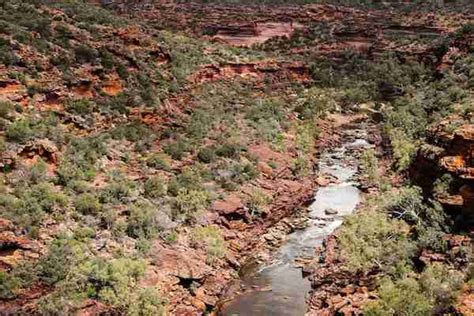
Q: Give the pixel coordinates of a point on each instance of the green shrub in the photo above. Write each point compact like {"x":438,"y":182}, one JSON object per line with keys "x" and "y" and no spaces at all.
{"x":229,"y":150}
{"x":85,"y":54}
{"x":306,"y":135}
{"x":159,"y":161}
{"x":119,"y":103}
{"x":81,"y":156}
{"x":206,"y":155}
{"x":371,"y":239}
{"x":267,"y":129}
{"x":155,"y":187}
{"x":369,"y":166}
{"x":212,"y":241}
{"x":441,"y":286}
{"x":34,"y":203}
{"x":84,"y":233}
{"x":82,"y":106}
{"x":300,"y":166}
{"x":190,"y":202}
{"x":77,"y":276}
{"x":88,"y":204}
{"x":442,"y":185}
{"x":269,"y":109}
{"x":106,"y":59}
{"x":176,"y":149}
{"x":20,"y":131}
{"x":142,"y":221}
{"x":200,"y":124}
{"x":314,"y":103}
{"x":403,"y":149}
{"x":6,"y":108}
{"x":406,"y":203}
{"x":189,"y":179}
{"x":242,"y":173}
{"x":132,"y":132}
{"x":434,"y":293}
{"x":403,"y":297}
{"x":3,"y":145}
{"x":113,"y":279}
{"x":257,"y":201}
{"x":37,"y":172}
{"x":64,"y":254}
{"x":146,"y":301}
{"x":116,"y":191}
{"x":9,"y":285}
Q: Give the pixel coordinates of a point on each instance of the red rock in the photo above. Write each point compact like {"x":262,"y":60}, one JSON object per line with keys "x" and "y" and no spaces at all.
{"x":350,"y":289}
{"x":231,"y":204}
{"x":264,"y":168}
{"x":200,"y":305}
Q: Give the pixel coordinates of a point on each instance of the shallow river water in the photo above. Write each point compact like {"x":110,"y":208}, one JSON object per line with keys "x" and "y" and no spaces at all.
{"x":281,"y":288}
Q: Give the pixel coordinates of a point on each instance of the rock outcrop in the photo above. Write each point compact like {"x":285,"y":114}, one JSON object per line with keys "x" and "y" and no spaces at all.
{"x":450,"y":151}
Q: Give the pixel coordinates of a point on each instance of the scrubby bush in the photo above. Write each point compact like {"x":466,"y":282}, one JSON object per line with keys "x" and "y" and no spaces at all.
{"x":228,"y":150}
{"x":84,"y":234}
{"x":406,"y":203}
{"x":37,"y":172}
{"x":268,"y":109}
{"x":64,"y":254}
{"x":133,"y":132}
{"x":190,"y":202}
{"x":8,"y":285}
{"x":371,"y":239}
{"x":403,"y":149}
{"x":82,"y":106}
{"x":211,"y":239}
{"x":3,"y":144}
{"x":369,"y":166}
{"x":301,"y":166}
{"x":33,"y":203}
{"x":88,"y":204}
{"x":20,"y":131}
{"x":441,"y":286}
{"x":80,"y":159}
{"x":176,"y":149}
{"x":257,"y":201}
{"x":142,"y":221}
{"x":434,"y":293}
{"x":206,"y":155}
{"x":85,"y":54}
{"x":113,"y":282}
{"x":120,"y":103}
{"x":6,"y":108}
{"x":189,"y":179}
{"x":106,"y":59}
{"x":200,"y":123}
{"x":77,"y":275}
{"x":243,"y":172}
{"x":314,"y":103}
{"x":442,"y":185}
{"x":403,"y":297}
{"x":306,"y":135}
{"x":155,"y":187}
{"x":116,"y":191}
{"x":159,"y":161}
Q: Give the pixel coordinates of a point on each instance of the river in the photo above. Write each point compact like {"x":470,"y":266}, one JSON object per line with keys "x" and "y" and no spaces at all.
{"x":279,"y":287}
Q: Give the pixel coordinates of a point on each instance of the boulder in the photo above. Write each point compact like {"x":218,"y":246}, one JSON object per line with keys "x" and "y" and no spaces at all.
{"x":330,"y":211}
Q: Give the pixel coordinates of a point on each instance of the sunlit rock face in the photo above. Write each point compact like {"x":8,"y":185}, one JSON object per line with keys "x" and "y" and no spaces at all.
{"x":452,"y":152}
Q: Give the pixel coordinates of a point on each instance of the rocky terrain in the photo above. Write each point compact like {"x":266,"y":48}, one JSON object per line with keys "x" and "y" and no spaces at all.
{"x":150,"y":149}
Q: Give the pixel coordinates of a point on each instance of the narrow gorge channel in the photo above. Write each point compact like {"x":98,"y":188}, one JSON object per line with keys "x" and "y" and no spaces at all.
{"x":279,"y":286}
